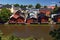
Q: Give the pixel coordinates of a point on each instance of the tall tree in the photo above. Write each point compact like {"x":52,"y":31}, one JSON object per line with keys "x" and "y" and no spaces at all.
{"x":16,"y":5}
{"x":11,"y":37}
{"x":55,"y":34}
{"x":21,"y":6}
{"x":30,"y":6}
{"x":4,"y":15}
{"x":45,"y":6}
{"x":37,"y":6}
{"x":24,"y":6}
{"x":55,"y":9}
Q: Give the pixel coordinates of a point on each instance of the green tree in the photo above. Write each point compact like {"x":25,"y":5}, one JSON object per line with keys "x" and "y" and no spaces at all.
{"x":11,"y":37}
{"x":16,"y":5}
{"x":17,"y":38}
{"x":1,"y":34}
{"x":55,"y":34}
{"x":4,"y":15}
{"x":55,"y":9}
{"x":23,"y":6}
{"x":37,"y":6}
{"x":45,"y":6}
{"x":30,"y":6}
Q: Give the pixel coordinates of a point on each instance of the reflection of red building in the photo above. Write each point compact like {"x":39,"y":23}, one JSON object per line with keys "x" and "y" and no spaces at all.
{"x":16,"y":18}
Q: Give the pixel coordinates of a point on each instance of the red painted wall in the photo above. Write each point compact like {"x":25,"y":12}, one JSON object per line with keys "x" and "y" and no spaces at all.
{"x":45,"y":12}
{"x":19,"y":20}
{"x":29,"y":20}
{"x":58,"y":19}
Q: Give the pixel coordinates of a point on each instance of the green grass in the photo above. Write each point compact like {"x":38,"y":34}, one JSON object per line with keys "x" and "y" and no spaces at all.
{"x":25,"y":25}
{"x":17,"y":38}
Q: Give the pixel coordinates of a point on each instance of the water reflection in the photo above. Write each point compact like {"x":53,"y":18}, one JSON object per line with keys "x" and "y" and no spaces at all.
{"x":28,"y":31}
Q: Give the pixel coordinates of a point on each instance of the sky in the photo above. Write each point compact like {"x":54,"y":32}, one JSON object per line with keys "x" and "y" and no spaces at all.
{"x":33,"y":2}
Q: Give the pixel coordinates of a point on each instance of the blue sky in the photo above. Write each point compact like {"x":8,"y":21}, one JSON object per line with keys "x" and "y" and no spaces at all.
{"x":33,"y":2}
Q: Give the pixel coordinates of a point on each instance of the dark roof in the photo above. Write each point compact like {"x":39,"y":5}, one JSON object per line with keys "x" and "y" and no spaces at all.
{"x":42,"y":15}
{"x":12,"y":18}
{"x":18,"y":12}
{"x":31,"y":18}
{"x":16,"y":8}
{"x":20,"y":17}
{"x":24,"y":9}
{"x":34,"y":18}
{"x":5,"y":6}
{"x":1,"y":6}
{"x":57,"y":15}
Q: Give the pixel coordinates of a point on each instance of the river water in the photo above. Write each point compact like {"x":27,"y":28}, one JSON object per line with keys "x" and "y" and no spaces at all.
{"x":28,"y":31}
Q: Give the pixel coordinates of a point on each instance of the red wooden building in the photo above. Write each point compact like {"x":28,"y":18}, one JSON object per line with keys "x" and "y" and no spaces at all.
{"x":31,"y":20}
{"x":17,"y":18}
{"x":56,"y":18}
{"x":42,"y":18}
{"x":45,"y":11}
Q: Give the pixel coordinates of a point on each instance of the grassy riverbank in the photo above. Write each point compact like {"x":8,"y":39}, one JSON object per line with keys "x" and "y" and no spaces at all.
{"x":24,"y":24}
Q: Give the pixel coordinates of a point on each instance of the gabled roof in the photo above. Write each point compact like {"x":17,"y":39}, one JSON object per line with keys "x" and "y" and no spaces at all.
{"x":45,"y":9}
{"x":17,"y":8}
{"x":17,"y":14}
{"x":42,"y":15}
{"x":1,"y":6}
{"x":5,"y":6}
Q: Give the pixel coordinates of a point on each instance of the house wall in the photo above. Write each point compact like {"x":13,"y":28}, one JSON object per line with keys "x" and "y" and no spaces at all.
{"x":42,"y":11}
{"x":44,"y":20}
{"x":11,"y":21}
{"x":47,"y":12}
{"x":58,"y":19}
{"x":29,"y":20}
{"x":20,"y":20}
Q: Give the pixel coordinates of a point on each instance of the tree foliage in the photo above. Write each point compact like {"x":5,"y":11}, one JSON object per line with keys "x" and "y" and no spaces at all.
{"x":4,"y":15}
{"x":45,"y":6}
{"x":55,"y":9}
{"x":23,"y":6}
{"x":30,"y":6}
{"x":55,"y":34}
{"x":16,"y":5}
{"x":37,"y":6}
